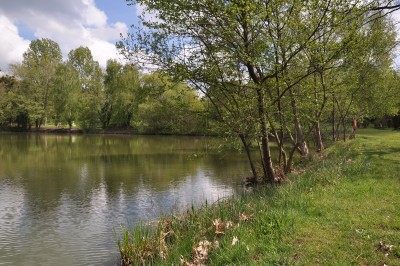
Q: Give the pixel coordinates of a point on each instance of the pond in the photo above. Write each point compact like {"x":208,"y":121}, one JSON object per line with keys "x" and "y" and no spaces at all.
{"x":62,"y":195}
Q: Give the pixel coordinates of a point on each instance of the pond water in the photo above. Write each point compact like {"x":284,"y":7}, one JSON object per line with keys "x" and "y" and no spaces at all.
{"x":62,"y":195}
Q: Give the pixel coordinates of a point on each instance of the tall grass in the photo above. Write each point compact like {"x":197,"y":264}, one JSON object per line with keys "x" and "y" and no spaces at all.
{"x":342,"y":209}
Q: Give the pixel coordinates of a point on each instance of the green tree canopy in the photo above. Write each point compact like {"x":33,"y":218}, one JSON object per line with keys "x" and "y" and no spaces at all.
{"x":91,"y":97}
{"x":37,"y":73}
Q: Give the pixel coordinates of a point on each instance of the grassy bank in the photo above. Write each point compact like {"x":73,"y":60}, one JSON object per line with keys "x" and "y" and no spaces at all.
{"x":343,"y":209}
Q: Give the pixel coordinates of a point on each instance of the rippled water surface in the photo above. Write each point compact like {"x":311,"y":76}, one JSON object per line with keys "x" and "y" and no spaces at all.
{"x":61,"y":196}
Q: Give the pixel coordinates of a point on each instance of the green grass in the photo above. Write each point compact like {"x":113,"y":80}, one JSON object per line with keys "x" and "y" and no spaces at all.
{"x":342,"y":210}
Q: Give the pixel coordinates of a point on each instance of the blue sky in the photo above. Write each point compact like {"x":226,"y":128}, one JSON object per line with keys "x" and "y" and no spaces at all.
{"x":117,"y":10}
{"x":96,"y":24}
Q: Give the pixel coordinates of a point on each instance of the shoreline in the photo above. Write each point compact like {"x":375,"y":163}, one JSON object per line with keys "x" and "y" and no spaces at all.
{"x":108,"y":131}
{"x":328,"y":213}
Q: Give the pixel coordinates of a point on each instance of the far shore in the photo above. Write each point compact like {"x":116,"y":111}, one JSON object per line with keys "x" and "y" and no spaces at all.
{"x":75,"y":130}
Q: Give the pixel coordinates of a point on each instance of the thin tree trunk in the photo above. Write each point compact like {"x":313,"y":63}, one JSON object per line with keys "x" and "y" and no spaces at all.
{"x":290,"y":160}
{"x":279,"y":138}
{"x":248,"y":153}
{"x":318,"y":137}
{"x":344,"y":129}
{"x":269,"y":171}
{"x":333,"y":118}
{"x":299,"y":131}
{"x":320,"y":144}
{"x":338,"y":130}
{"x":279,"y":142}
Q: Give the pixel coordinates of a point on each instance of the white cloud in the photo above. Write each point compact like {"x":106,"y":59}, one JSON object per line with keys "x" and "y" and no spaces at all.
{"x":12,"y":46}
{"x":71,"y":24}
{"x":102,"y":51}
{"x":94,"y":16}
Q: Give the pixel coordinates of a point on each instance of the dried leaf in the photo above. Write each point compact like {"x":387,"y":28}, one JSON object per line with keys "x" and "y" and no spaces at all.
{"x":243,"y":217}
{"x":234,"y":241}
{"x":228,"y":224}
{"x":385,"y":247}
{"x":200,"y":253}
{"x":219,"y":227}
{"x":216,"y":243}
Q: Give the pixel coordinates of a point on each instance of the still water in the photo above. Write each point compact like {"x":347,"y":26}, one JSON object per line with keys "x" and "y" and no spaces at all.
{"x":61,"y":195}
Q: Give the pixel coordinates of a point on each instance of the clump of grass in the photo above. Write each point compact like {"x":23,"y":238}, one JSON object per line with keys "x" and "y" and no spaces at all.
{"x":137,"y":246}
{"x":343,"y":209}
{"x":225,"y":232}
{"x":145,"y":244}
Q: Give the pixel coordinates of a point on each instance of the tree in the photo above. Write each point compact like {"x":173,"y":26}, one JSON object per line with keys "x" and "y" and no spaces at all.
{"x":167,"y":107}
{"x":250,"y":52}
{"x":8,"y":85}
{"x":121,"y":84}
{"x":37,"y":72}
{"x":363,"y":80}
{"x":91,"y":87}
{"x":66,"y":94}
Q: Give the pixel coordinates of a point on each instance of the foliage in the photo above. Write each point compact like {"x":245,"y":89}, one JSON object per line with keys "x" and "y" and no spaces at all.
{"x":37,"y":72}
{"x":264,"y":65}
{"x":168,"y":107}
{"x":121,"y":89}
{"x":77,"y":91}
{"x":91,"y":87}
{"x":66,"y":94}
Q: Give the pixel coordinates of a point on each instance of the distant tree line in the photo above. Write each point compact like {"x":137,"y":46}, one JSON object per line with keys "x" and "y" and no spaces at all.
{"x":44,"y":90}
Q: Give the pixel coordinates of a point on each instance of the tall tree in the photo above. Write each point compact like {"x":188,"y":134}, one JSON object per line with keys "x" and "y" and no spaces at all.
{"x":91,"y":87}
{"x":66,"y":94}
{"x":37,"y":71}
{"x":247,"y":51}
{"x":121,"y":84}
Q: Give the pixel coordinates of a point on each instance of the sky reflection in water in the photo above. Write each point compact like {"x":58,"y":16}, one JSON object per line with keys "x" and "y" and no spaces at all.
{"x":61,"y":196}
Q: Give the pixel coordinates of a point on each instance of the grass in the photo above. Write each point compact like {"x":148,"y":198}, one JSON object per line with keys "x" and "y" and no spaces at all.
{"x":342,"y":210}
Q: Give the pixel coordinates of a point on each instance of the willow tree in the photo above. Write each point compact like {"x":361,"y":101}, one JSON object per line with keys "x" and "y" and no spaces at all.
{"x":236,"y":52}
{"x":121,"y":86}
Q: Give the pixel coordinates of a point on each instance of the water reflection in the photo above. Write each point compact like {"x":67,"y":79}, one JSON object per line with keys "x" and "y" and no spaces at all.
{"x":61,"y":196}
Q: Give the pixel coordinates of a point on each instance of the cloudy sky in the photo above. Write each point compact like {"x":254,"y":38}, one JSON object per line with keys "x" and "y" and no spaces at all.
{"x":96,"y":24}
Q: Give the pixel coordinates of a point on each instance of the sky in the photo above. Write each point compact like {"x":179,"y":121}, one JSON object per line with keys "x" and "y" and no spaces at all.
{"x":96,"y":24}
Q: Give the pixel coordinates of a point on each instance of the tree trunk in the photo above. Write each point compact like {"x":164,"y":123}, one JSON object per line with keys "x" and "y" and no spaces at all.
{"x":248,"y":153}
{"x":344,"y":129}
{"x":299,"y":131}
{"x":269,"y":171}
{"x":282,"y":152}
{"x":290,"y":160}
{"x":333,"y":118}
{"x":318,"y":137}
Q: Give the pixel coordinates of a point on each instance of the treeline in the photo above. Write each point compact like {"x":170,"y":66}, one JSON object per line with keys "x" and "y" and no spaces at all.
{"x":285,"y":73}
{"x":44,"y":90}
